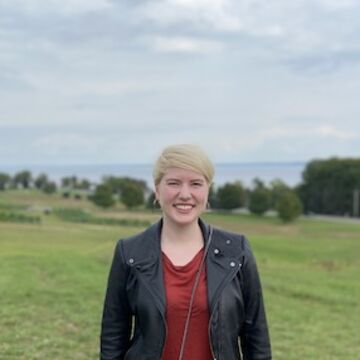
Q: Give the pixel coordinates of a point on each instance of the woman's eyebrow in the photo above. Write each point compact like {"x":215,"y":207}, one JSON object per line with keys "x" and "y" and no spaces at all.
{"x":177,"y":179}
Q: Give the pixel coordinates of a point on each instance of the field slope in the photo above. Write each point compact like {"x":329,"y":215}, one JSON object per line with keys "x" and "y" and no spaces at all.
{"x":53,"y":277}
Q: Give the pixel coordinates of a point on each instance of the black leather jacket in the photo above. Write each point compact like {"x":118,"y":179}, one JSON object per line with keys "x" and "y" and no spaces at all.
{"x":133,"y":324}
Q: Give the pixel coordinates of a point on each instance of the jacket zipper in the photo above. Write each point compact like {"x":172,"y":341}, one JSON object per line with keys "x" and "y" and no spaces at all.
{"x":209,"y":334}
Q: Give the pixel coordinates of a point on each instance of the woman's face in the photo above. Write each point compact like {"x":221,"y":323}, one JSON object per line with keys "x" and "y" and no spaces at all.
{"x":182,"y":195}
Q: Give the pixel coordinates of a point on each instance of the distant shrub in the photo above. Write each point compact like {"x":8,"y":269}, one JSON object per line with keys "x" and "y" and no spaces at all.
{"x":120,"y":222}
{"x":10,"y":207}
{"x":289,"y":206}
{"x":80,"y":216}
{"x":19,"y":218}
{"x":72,"y":214}
{"x":66,"y":194}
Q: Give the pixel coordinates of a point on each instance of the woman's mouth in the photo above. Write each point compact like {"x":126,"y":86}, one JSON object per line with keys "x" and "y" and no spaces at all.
{"x":184,"y":207}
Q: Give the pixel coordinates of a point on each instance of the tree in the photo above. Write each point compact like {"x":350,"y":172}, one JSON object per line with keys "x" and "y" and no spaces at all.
{"x":4,"y":180}
{"x":49,"y":187}
{"x":103,"y":196}
{"x":41,"y":181}
{"x":118,"y":184}
{"x":289,"y":206}
{"x":231,"y":196}
{"x":69,"y":182}
{"x":66,"y":182}
{"x":132,"y":195}
{"x":212,"y":198}
{"x":23,"y":178}
{"x":259,"y":201}
{"x":328,"y":185}
{"x":277,"y":189}
{"x":84,"y":184}
{"x":150,"y":202}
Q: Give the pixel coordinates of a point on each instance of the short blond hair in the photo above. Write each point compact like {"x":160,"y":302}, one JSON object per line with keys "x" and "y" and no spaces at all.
{"x":183,"y":156}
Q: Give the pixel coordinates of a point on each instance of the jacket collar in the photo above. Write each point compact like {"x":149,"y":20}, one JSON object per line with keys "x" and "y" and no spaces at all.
{"x":222,"y":262}
{"x":150,"y":249}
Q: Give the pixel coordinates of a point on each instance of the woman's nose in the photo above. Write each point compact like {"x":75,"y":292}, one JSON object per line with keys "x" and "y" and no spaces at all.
{"x":185,"y":192}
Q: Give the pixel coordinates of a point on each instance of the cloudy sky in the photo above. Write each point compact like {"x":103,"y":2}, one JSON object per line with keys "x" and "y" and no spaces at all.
{"x":113,"y":81}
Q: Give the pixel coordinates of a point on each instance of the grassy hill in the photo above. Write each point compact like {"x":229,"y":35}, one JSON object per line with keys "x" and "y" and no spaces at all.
{"x":53,"y":276}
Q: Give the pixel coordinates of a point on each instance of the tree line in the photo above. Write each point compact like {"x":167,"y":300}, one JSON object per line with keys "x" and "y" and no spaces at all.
{"x":331,"y":187}
{"x":25,"y":180}
{"x":327,"y":187}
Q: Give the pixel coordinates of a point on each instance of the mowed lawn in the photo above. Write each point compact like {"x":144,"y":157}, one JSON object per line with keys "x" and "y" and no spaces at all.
{"x":53,"y":277}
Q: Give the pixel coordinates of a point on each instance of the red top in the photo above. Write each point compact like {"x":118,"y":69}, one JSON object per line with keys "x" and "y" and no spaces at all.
{"x":179,"y":281}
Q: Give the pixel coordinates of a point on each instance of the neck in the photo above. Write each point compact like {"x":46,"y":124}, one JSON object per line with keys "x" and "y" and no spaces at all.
{"x":181,"y":234}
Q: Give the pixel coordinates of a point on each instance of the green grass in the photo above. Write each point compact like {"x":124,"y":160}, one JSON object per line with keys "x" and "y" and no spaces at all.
{"x":53,"y":277}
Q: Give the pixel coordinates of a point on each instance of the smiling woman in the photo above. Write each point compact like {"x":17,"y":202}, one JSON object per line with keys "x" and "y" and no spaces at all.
{"x":183,"y":289}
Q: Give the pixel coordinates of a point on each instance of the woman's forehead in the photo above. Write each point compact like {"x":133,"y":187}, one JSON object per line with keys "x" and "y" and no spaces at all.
{"x":175,"y":172}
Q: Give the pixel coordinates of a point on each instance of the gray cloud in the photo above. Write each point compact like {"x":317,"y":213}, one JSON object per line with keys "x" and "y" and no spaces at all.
{"x":227,"y":74}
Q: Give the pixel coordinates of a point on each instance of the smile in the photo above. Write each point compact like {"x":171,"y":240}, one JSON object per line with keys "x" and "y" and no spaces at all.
{"x":184,"y":206}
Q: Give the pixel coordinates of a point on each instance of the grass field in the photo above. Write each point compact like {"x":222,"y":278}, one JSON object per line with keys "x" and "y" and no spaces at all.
{"x":53,"y":277}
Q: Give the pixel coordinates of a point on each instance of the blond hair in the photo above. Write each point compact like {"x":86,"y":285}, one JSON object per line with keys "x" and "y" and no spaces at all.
{"x":183,"y":156}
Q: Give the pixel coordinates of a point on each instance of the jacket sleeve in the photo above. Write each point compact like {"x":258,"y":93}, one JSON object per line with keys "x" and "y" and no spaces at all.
{"x":116,"y":319}
{"x":255,"y":340}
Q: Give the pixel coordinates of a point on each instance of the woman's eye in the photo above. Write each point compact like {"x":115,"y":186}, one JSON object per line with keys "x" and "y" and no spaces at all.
{"x":197,"y":184}
{"x":172,"y":183}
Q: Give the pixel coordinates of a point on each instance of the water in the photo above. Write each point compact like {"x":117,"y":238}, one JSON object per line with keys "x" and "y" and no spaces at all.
{"x":289,"y":172}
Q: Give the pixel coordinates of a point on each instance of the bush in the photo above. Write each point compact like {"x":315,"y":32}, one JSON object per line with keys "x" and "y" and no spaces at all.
{"x":289,"y":206}
{"x":80,"y":216}
{"x":66,"y":194}
{"x":19,"y":218}
{"x":72,"y":215}
{"x":13,"y":207}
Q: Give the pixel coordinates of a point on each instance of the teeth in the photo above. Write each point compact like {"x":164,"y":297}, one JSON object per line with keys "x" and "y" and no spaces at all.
{"x":184,"y":207}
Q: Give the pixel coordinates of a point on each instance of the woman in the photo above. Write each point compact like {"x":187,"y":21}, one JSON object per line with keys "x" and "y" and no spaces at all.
{"x":182,"y":289}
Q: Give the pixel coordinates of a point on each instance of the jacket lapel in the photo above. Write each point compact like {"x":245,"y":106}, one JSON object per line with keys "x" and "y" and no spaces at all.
{"x":146,"y":261}
{"x":222,"y":265}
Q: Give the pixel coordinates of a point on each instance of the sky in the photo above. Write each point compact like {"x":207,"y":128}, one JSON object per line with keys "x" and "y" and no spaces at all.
{"x":106,"y":81}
